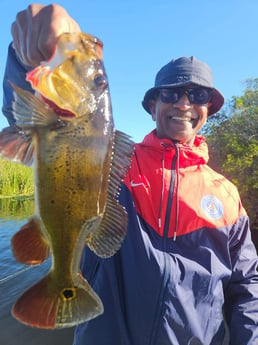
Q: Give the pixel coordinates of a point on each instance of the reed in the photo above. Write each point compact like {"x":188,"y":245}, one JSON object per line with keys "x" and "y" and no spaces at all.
{"x":15,"y":179}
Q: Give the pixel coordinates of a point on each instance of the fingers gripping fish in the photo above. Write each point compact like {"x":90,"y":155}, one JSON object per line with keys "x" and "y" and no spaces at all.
{"x":66,"y":133}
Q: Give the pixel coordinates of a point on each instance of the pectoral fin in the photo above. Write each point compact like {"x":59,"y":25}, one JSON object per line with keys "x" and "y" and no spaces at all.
{"x":18,"y":142}
{"x":30,"y":111}
{"x":29,"y":244}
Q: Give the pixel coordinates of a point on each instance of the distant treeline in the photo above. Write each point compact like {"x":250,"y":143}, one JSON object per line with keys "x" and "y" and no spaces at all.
{"x":232,"y":137}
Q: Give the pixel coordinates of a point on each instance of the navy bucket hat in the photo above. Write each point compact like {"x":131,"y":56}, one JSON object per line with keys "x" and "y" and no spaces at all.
{"x":181,"y":72}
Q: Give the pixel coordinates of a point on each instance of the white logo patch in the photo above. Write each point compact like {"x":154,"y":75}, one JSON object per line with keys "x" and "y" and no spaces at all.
{"x":212,"y":207}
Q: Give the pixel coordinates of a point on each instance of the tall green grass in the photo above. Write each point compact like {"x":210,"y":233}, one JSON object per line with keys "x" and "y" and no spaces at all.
{"x":15,"y":180}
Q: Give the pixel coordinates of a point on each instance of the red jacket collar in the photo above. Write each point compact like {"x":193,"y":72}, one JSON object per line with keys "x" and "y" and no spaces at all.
{"x":189,"y":155}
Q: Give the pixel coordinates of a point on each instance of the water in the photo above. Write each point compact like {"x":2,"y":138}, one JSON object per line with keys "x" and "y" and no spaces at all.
{"x":15,"y":278}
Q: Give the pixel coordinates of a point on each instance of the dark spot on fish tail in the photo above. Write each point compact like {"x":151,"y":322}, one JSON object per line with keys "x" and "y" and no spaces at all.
{"x":68,"y":294}
{"x":52,"y":201}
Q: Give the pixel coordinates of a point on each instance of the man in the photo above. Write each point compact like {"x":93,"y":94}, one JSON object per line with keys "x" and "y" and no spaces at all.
{"x":188,"y":257}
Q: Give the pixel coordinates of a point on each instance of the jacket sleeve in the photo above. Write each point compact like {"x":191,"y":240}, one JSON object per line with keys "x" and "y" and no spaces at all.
{"x":241,"y":296}
{"x":15,"y":72}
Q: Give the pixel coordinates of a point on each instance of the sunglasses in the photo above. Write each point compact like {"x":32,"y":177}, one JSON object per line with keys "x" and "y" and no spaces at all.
{"x":196,"y":95}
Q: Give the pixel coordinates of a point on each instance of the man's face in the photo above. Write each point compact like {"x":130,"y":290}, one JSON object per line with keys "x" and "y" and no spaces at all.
{"x":179,"y":121}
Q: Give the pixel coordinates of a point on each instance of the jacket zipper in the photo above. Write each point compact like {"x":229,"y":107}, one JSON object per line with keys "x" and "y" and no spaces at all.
{"x":165,"y":237}
{"x":170,"y":196}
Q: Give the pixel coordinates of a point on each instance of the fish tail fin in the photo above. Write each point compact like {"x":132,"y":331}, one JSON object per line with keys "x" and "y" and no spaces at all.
{"x":49,"y":305}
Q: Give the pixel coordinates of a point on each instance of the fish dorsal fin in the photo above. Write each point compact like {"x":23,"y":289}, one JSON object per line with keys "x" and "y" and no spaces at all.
{"x":121,"y":160}
{"x":17,"y":145}
{"x":30,"y":111}
{"x":107,"y":240}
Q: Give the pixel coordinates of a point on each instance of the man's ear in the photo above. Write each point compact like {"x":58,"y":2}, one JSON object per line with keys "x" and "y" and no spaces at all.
{"x":152,"y":107}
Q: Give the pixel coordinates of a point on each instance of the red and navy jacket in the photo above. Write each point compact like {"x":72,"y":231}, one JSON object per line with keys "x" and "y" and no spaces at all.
{"x":187,"y":262}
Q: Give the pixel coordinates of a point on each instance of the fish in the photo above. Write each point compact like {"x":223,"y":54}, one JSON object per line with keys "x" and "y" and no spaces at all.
{"x":65,"y":131}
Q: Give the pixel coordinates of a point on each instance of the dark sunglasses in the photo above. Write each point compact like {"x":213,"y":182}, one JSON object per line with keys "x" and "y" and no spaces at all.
{"x":196,"y":95}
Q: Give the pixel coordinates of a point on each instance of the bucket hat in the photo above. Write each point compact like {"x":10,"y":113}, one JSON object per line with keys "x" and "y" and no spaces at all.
{"x":182,"y":72}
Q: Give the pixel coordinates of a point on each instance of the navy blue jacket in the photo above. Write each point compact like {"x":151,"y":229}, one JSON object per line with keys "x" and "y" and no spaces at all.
{"x":187,"y":262}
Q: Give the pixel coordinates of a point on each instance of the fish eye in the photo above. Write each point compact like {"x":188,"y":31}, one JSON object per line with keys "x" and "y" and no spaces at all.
{"x":100,"y":80}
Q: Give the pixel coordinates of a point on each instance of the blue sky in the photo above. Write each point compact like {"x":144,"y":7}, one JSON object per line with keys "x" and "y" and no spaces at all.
{"x":140,"y":36}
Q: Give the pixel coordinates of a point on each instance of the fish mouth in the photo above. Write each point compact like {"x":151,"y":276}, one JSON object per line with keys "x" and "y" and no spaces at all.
{"x":60,"y":111}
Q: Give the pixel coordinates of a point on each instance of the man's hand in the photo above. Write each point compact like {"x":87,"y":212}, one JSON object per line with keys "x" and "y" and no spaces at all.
{"x":36,"y":29}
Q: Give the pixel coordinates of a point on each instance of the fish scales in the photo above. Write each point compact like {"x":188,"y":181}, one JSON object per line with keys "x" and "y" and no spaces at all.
{"x":66,"y":132}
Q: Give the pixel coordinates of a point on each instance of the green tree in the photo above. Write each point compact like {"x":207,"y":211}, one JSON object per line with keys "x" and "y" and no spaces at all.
{"x":232,"y":137}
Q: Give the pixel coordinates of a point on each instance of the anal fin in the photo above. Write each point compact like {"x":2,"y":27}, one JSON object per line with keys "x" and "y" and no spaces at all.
{"x":29,"y":245}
